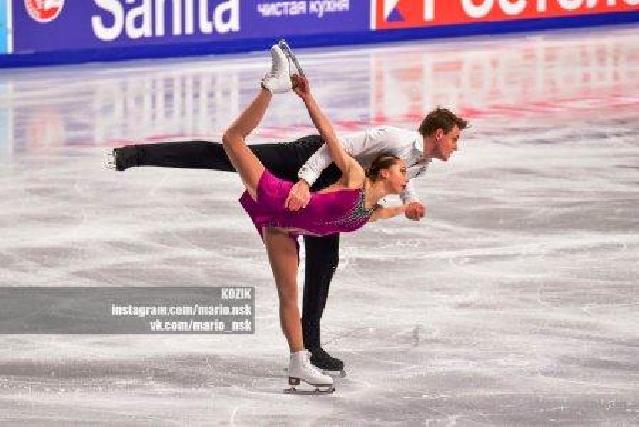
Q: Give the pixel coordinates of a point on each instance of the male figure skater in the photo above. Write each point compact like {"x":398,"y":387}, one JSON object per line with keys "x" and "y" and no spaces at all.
{"x":307,"y":162}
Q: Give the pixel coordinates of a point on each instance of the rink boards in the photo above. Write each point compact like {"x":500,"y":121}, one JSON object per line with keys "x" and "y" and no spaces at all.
{"x":36,"y":32}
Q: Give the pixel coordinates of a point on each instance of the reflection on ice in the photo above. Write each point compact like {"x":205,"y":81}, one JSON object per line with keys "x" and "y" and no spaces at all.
{"x":510,"y":77}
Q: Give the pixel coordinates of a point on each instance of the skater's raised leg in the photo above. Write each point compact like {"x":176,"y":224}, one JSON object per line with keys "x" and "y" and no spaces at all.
{"x":283,"y":159}
{"x":245,"y":162}
{"x":183,"y":154}
{"x":205,"y":154}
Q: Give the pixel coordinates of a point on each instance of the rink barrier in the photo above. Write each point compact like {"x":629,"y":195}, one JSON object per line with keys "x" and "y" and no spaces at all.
{"x":4,"y":29}
{"x":242,"y":45}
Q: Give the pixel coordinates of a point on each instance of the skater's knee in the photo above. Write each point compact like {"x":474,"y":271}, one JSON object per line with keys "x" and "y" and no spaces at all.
{"x":231,"y":137}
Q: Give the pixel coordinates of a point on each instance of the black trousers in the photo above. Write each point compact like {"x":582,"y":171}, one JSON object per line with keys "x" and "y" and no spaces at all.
{"x":284,"y":160}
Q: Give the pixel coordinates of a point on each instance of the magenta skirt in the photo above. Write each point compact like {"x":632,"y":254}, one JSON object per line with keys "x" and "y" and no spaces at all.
{"x":269,"y":208}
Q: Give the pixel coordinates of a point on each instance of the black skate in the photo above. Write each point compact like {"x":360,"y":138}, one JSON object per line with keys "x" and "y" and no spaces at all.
{"x":327,"y":363}
{"x":122,"y":158}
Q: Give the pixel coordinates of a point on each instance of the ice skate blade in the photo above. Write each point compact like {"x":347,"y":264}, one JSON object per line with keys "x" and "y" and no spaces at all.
{"x":304,"y":392}
{"x":318,"y":389}
{"x":289,"y":54}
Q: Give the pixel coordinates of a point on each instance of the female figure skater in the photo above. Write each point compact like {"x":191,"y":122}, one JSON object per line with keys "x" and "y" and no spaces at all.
{"x":345,"y":206}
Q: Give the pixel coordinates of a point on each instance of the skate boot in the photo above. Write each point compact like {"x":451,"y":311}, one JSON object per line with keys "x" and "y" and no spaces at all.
{"x":301,"y":369}
{"x":278,"y":80}
{"x":122,"y":158}
{"x":295,"y":66}
{"x":327,"y":363}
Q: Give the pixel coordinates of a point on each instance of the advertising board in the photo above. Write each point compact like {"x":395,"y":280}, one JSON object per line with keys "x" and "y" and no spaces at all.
{"x":403,"y":14}
{"x":48,"y":25}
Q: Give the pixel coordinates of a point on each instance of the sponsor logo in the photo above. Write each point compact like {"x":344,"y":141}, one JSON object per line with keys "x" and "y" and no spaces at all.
{"x":389,"y":14}
{"x":94,"y":24}
{"x":44,"y":10}
{"x":406,"y":12}
{"x":319,"y":8}
{"x":150,"y":18}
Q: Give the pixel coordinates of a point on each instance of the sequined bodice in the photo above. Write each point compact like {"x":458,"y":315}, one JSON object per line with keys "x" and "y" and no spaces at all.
{"x":326,"y":213}
{"x":357,"y":214}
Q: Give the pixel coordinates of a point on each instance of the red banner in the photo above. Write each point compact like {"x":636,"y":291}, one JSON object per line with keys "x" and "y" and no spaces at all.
{"x":393,"y":14}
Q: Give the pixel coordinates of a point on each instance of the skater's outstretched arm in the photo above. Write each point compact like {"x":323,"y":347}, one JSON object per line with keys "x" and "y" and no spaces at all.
{"x":347,"y":164}
{"x":386,"y":213}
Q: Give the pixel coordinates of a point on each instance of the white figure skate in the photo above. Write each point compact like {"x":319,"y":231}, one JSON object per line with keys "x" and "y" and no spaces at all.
{"x":278,"y":80}
{"x":301,"y":369}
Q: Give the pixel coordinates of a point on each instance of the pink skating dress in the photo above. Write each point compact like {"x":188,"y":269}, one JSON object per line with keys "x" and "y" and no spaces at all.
{"x":326,"y":213}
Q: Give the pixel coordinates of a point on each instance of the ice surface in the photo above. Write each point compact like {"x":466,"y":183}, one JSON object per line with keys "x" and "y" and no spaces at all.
{"x":514,"y":302}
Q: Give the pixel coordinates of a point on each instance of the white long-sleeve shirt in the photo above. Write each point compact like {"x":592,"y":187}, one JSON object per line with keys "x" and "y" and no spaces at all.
{"x":366,"y":145}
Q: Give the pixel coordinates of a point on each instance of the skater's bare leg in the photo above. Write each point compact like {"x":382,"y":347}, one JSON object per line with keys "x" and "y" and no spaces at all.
{"x":234,"y":141}
{"x":282,"y":254}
